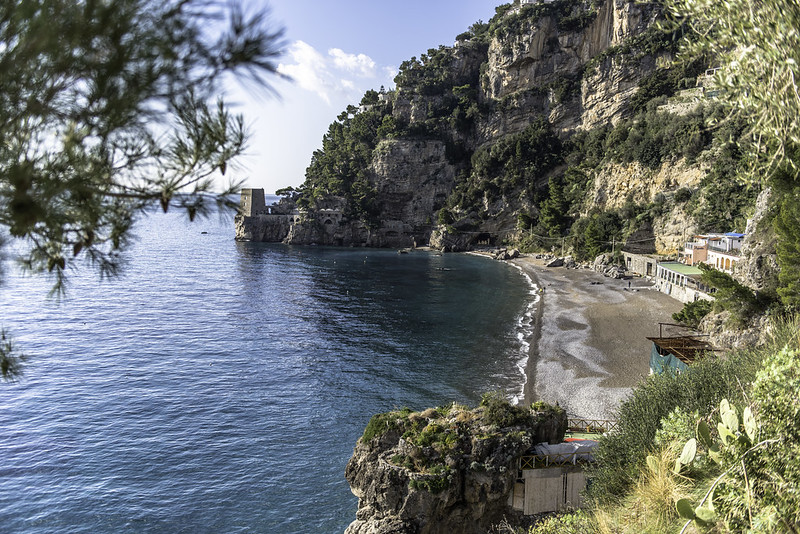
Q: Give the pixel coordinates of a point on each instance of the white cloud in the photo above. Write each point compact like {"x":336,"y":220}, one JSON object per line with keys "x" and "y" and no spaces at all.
{"x":358,"y":64}
{"x":309,"y":70}
{"x":331,"y":75}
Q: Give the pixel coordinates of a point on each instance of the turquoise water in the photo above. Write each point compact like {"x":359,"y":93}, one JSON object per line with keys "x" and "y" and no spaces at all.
{"x":221,"y":386}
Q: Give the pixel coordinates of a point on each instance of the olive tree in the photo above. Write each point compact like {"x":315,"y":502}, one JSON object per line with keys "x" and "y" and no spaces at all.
{"x":110,"y":107}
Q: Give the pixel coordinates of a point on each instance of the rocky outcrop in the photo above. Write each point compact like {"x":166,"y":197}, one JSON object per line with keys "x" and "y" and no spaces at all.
{"x":262,"y":228}
{"x":759,"y":266}
{"x":618,"y":183}
{"x":444,"y":470}
{"x":725,"y":337}
{"x":606,"y":92}
{"x":576,"y":63}
{"x":412,"y":179}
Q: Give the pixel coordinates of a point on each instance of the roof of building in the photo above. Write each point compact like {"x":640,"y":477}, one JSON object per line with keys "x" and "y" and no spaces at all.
{"x":685,"y":348}
{"x":681,"y":268}
{"x":734,"y":234}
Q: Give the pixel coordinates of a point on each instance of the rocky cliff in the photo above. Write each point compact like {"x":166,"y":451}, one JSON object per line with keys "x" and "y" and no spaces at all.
{"x":472,"y":142}
{"x":558,"y":124}
{"x":444,"y":470}
{"x":530,"y":61}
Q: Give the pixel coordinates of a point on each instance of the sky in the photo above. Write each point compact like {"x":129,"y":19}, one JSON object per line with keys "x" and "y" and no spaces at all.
{"x":335,"y":51}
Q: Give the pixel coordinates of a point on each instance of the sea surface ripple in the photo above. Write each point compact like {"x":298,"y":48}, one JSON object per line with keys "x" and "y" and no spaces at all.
{"x":220,"y":386}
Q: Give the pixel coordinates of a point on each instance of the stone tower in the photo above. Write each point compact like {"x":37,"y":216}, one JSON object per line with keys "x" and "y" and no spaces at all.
{"x":252,"y":202}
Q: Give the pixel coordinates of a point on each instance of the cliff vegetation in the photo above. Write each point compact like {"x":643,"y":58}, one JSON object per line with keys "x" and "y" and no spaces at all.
{"x":446,"y":469}
{"x":711,"y":450}
{"x":577,"y":126}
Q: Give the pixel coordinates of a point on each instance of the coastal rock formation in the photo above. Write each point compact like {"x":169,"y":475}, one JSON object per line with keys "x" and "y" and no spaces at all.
{"x":550,"y":60}
{"x":555,"y":126}
{"x":412,"y":179}
{"x":759,"y":268}
{"x":444,"y":470}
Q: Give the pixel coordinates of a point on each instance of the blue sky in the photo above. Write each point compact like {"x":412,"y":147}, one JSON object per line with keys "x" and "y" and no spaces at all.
{"x":336,"y":51}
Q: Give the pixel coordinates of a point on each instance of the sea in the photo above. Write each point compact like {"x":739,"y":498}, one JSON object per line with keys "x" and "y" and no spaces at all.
{"x":219,"y":386}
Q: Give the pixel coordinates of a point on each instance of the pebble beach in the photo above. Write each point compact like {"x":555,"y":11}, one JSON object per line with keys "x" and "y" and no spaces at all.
{"x":591,"y":342}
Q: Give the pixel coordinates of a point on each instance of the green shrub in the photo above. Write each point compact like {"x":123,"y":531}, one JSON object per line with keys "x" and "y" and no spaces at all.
{"x":757,"y":454}
{"x":620,"y":455}
{"x":436,"y":482}
{"x":682,"y":195}
{"x":731,"y":295}
{"x":678,"y":426}
{"x":577,"y":522}
{"x":777,"y":467}
{"x":693,"y":312}
{"x":499,"y":412}
{"x":381,"y":423}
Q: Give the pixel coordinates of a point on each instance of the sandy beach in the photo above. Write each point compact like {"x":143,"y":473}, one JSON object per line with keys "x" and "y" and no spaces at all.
{"x":591,"y":347}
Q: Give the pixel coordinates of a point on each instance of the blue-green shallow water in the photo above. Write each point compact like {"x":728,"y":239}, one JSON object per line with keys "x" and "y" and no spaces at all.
{"x":221,"y":386}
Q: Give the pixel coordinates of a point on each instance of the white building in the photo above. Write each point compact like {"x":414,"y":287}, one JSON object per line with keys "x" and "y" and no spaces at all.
{"x":681,"y":282}
{"x":720,"y":251}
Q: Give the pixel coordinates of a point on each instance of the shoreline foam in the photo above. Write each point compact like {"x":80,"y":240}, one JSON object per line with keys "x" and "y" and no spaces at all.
{"x":527,"y":328}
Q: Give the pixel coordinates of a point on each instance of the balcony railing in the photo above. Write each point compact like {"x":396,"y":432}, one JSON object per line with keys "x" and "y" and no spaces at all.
{"x":591,"y":426}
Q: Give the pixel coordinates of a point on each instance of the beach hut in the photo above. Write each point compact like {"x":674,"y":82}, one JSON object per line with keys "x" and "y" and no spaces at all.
{"x":675,"y":353}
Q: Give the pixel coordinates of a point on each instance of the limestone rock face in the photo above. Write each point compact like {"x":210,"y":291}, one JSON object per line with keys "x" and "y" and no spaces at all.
{"x":262,"y":228}
{"x":540,"y":52}
{"x":617,"y":183}
{"x":412,"y":179}
{"x":759,"y":268}
{"x":443,"y":471}
{"x":576,"y":74}
{"x":605,"y":94}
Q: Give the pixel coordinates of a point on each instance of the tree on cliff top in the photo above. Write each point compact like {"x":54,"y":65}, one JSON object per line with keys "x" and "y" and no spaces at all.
{"x":108,"y":108}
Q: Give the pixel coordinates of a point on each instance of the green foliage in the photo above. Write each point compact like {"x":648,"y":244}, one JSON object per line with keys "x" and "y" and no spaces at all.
{"x":652,"y":137}
{"x":11,"y":360}
{"x":429,"y":75}
{"x":570,"y":15}
{"x":381,"y":423}
{"x":577,"y":522}
{"x":709,"y":380}
{"x":775,"y":395}
{"x":693,"y":312}
{"x":787,"y":226}
{"x":755,"y":488}
{"x":340,"y":167}
{"x":731,"y":295}
{"x":437,"y":481}
{"x":92,"y":140}
{"x":724,"y":30}
{"x":435,"y":435}
{"x":676,"y":427}
{"x":565,"y":87}
{"x":667,"y":81}
{"x":501,"y":413}
{"x":596,"y":233}
{"x":512,"y":164}
{"x":682,"y":195}
{"x":513,"y":158}
{"x":554,"y":211}
{"x":445,"y":217}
